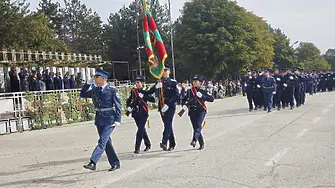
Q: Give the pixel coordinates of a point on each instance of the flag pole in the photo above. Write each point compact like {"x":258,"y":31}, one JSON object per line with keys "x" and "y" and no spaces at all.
{"x":171,"y":36}
{"x":138,"y":36}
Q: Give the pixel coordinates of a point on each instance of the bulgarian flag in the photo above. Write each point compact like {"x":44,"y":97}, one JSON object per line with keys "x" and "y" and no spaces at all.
{"x":154,"y":45}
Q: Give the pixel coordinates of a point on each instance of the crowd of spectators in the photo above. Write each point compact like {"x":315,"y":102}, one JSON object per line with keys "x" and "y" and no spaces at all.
{"x":35,"y":81}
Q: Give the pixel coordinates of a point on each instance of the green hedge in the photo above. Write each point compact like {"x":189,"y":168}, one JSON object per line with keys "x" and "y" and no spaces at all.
{"x":56,"y":109}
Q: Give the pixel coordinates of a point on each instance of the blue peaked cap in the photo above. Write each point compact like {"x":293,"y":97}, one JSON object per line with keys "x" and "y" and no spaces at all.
{"x":102,"y":73}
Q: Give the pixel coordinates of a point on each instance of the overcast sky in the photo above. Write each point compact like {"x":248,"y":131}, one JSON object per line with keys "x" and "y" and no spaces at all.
{"x":301,"y":20}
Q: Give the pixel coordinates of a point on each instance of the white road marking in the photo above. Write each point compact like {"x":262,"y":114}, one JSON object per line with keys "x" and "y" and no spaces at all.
{"x":316,"y":119}
{"x":325,"y":111}
{"x":274,"y":160}
{"x":301,"y":133}
{"x":331,"y":105}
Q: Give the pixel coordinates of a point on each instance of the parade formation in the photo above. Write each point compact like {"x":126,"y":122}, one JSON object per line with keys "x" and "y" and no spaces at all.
{"x":284,"y":88}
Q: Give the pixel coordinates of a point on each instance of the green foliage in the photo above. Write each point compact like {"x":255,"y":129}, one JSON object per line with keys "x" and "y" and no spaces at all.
{"x":310,"y":59}
{"x":284,"y":52}
{"x":330,"y":57}
{"x":219,"y":38}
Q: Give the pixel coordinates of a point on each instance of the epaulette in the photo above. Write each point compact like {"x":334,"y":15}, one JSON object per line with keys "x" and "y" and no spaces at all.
{"x":203,"y":88}
{"x":173,"y":80}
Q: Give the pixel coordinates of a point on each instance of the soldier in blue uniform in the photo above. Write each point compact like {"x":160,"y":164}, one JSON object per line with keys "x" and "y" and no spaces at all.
{"x":108,"y":115}
{"x":167,"y":111}
{"x":194,"y":101}
{"x":139,"y":109}
{"x":269,"y":88}
{"x":297,"y":91}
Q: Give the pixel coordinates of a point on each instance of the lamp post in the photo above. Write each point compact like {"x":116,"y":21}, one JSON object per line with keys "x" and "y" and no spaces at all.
{"x":171,"y":35}
{"x":139,"y":57}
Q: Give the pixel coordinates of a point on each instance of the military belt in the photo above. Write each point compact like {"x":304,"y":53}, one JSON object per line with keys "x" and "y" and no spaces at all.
{"x":103,"y":109}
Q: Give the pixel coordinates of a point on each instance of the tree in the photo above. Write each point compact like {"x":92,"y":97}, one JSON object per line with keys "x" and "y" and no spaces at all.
{"x":11,"y":14}
{"x":284,"y":52}
{"x":219,"y":38}
{"x":309,"y":57}
{"x":330,"y":57}
{"x":53,"y":12}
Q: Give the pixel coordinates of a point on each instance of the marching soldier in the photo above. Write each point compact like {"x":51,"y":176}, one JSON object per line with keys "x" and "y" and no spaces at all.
{"x":277,"y":98}
{"x":194,"y":101}
{"x":108,"y":115}
{"x":169,"y":90}
{"x":139,"y":109}
{"x":297,"y":91}
{"x":269,"y":88}
{"x":290,"y":88}
{"x":249,"y":83}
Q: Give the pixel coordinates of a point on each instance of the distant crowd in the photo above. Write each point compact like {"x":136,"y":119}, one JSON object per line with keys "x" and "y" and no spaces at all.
{"x":36,"y":81}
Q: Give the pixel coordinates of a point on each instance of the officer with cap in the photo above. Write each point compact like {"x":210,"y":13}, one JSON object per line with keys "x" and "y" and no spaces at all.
{"x":269,"y":88}
{"x":297,"y":91}
{"x":170,"y":94}
{"x":139,"y":109}
{"x":290,"y":82}
{"x":194,"y":101}
{"x":249,"y":83}
{"x":108,"y":115}
{"x":277,"y":98}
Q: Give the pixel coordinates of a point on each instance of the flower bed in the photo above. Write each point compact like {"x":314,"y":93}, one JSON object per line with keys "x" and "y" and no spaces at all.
{"x":59,"y":108}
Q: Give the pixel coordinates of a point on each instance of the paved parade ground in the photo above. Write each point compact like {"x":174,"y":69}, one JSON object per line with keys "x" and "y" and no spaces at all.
{"x":242,"y":149}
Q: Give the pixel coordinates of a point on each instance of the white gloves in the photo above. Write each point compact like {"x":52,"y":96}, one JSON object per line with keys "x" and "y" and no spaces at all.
{"x":258,"y":86}
{"x":140,"y":95}
{"x":116,"y":124}
{"x":199,"y":94}
{"x":129,"y":109}
{"x":245,"y":85}
{"x":159,"y":85}
{"x":291,"y":77}
{"x":90,"y":81}
{"x":185,"y":107}
{"x":250,"y":77}
{"x":165,"y":108}
{"x":285,"y":85}
{"x":274,"y":92}
{"x":278,"y":79}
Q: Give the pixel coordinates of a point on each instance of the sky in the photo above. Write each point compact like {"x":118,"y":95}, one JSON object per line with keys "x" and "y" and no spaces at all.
{"x":300,"y":20}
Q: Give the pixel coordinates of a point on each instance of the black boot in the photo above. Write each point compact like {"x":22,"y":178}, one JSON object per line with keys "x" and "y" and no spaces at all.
{"x":90,"y":166}
{"x":202,"y":146}
{"x":163,"y":146}
{"x":113,"y":168}
{"x":137,"y":151}
{"x":193,"y":143}
{"x":147,"y":148}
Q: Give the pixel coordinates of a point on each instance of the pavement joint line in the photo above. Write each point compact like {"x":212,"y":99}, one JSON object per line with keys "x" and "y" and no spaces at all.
{"x":275,"y":159}
{"x":301,"y":133}
{"x":325,"y":111}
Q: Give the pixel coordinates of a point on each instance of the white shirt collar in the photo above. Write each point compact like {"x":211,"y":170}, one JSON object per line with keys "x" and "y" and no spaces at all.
{"x":103,"y":87}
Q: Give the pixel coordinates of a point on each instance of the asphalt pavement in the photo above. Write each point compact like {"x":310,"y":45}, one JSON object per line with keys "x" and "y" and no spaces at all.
{"x":293,"y":149}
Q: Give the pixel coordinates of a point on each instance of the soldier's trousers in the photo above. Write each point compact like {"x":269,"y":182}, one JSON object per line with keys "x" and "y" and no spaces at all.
{"x":277,"y":98}
{"x":258,"y":98}
{"x":168,"y":134}
{"x":268,"y":100}
{"x":303,"y":95}
{"x":290,"y":96}
{"x":297,"y":93}
{"x":197,"y":119}
{"x":105,"y":144}
{"x":141,"y":134}
{"x":250,"y":97}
